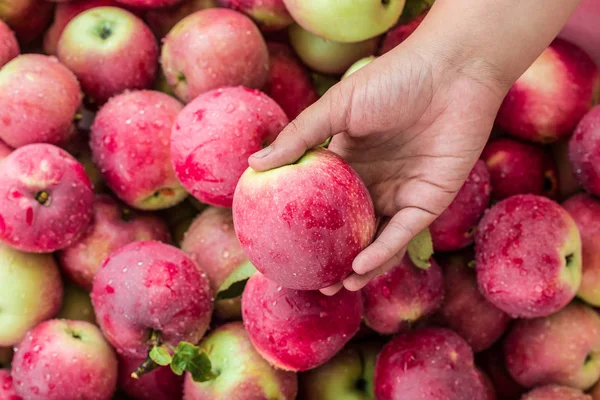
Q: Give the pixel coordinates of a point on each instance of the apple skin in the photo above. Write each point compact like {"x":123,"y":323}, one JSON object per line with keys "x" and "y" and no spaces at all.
{"x":490,"y":390}
{"x":27,"y":18}
{"x":244,"y":374}
{"x":584,"y":152}
{"x":454,"y":229}
{"x":269,"y":15}
{"x":150,"y":286}
{"x":5,"y":150}
{"x":550,"y":98}
{"x":62,"y":359}
{"x":556,"y":392}
{"x":303,"y":224}
{"x":130,"y":143}
{"x":528,"y":256}
{"x":76,"y":304}
{"x":48,"y":199}
{"x":585,"y":210}
{"x":531,"y":355}
{"x":162,"y":20}
{"x":149,"y":3}
{"x":363,"y":62}
{"x":491,"y":361}
{"x":326,"y":56}
{"x":347,"y":376}
{"x":430,"y":364}
{"x":39,"y":98}
{"x":289,"y":82}
{"x":110,"y":50}
{"x":399,"y":34}
{"x":345,"y":21}
{"x":397,"y":299}
{"x":215,"y":134}
{"x":114,"y":226}
{"x":9,"y":47}
{"x":232,"y":53}
{"x":464,"y":309}
{"x":7,"y":390}
{"x":160,"y":384}
{"x":297,"y":330}
{"x":31,"y":292}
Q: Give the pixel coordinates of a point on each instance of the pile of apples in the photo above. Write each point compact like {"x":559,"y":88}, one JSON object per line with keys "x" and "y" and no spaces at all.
{"x":141,"y":258}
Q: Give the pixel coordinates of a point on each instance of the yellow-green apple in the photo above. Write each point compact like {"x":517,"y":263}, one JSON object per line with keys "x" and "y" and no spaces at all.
{"x":533,"y":355}
{"x":303,"y":224}
{"x":397,"y":299}
{"x":517,"y":167}
{"x":399,"y":34}
{"x":269,"y":15}
{"x":76,"y":304}
{"x":556,"y":392}
{"x":346,"y":20}
{"x":548,"y":100}
{"x":7,"y":389}
{"x":110,"y":50}
{"x":327,"y":56}
{"x":130,"y":142}
{"x":31,"y":292}
{"x":114,"y":226}
{"x":297,"y":330}
{"x":289,"y":82}
{"x":62,"y":359}
{"x":231,"y":53}
{"x":159,"y":384}
{"x":585,"y":210}
{"x":9,"y":47}
{"x":149,"y":289}
{"x":427,"y":363}
{"x":464,"y":309}
{"x":491,"y":361}
{"x":528,"y":256}
{"x":6,"y":354}
{"x":215,"y":134}
{"x":39,"y":98}
{"x":363,"y":62}
{"x":454,"y":229}
{"x":241,"y":372}
{"x":347,"y":376}
{"x":27,"y":18}
{"x":47,"y":199}
{"x":149,"y":3}
{"x":584,"y":152}
{"x":162,"y":20}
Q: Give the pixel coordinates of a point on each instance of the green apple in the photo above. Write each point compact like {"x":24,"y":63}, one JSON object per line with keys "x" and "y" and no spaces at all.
{"x":77,"y":304}
{"x":358,"y":65}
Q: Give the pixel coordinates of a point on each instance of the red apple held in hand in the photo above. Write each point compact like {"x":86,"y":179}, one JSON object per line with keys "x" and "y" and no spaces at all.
{"x":39,"y":98}
{"x":242,"y":372}
{"x":9,"y":47}
{"x":48,"y":199}
{"x":7,"y":390}
{"x":289,"y":82}
{"x":429,"y":364}
{"x":162,"y":20}
{"x":297,"y":330}
{"x":113,"y":227}
{"x":303,"y":224}
{"x":454,"y":229}
{"x":215,"y":134}
{"x":399,"y":34}
{"x":148,"y":289}
{"x":548,"y":100}
{"x":528,"y":256}
{"x":556,"y":392}
{"x":533,"y":355}
{"x":149,"y":3}
{"x":110,"y":50}
{"x":520,"y":168}
{"x":160,"y":384}
{"x":62,"y":359}
{"x":232,"y":53}
{"x":27,"y":18}
{"x":269,"y":15}
{"x":400,"y":297}
{"x":584,"y":152}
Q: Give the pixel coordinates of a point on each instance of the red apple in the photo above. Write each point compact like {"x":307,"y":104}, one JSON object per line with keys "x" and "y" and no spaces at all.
{"x":549,"y":99}
{"x":270,"y":15}
{"x":584,"y":152}
{"x":149,"y":3}
{"x":399,"y":34}
{"x":303,"y":224}
{"x":298,"y":330}
{"x":162,"y":20}
{"x":489,"y":386}
{"x":39,"y":98}
{"x":9,"y":47}
{"x":48,"y":199}
{"x":397,"y":299}
{"x":110,"y":50}
{"x":160,"y":384}
{"x":556,"y":392}
{"x":528,"y":256}
{"x":454,"y":229}
{"x":130,"y":142}
{"x":4,"y":150}
{"x":113,"y":227}
{"x":231,"y":53}
{"x":215,"y":134}
{"x":519,"y":168}
{"x":149,"y":288}
{"x":7,"y":390}
{"x":27,"y":18}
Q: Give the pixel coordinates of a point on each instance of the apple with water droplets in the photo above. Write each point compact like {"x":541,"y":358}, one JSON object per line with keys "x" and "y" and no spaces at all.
{"x":584,"y":151}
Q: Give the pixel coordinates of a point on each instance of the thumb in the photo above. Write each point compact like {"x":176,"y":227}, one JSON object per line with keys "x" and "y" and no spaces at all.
{"x":312,"y":127}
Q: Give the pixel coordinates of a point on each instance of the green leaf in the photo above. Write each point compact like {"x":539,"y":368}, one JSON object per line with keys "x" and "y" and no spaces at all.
{"x":420,"y":249}
{"x":414,"y":8}
{"x":188,"y":357}
{"x":236,"y":282}
{"x":160,"y":355}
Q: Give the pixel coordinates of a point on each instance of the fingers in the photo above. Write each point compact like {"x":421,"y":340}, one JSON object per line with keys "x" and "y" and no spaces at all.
{"x":356,"y":282}
{"x":333,"y":289}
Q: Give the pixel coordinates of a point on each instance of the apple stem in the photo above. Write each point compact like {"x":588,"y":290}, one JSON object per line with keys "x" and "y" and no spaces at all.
{"x":147,"y":366}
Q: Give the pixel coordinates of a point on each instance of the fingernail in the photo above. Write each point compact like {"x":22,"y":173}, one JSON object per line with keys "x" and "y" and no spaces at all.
{"x":263,"y":153}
